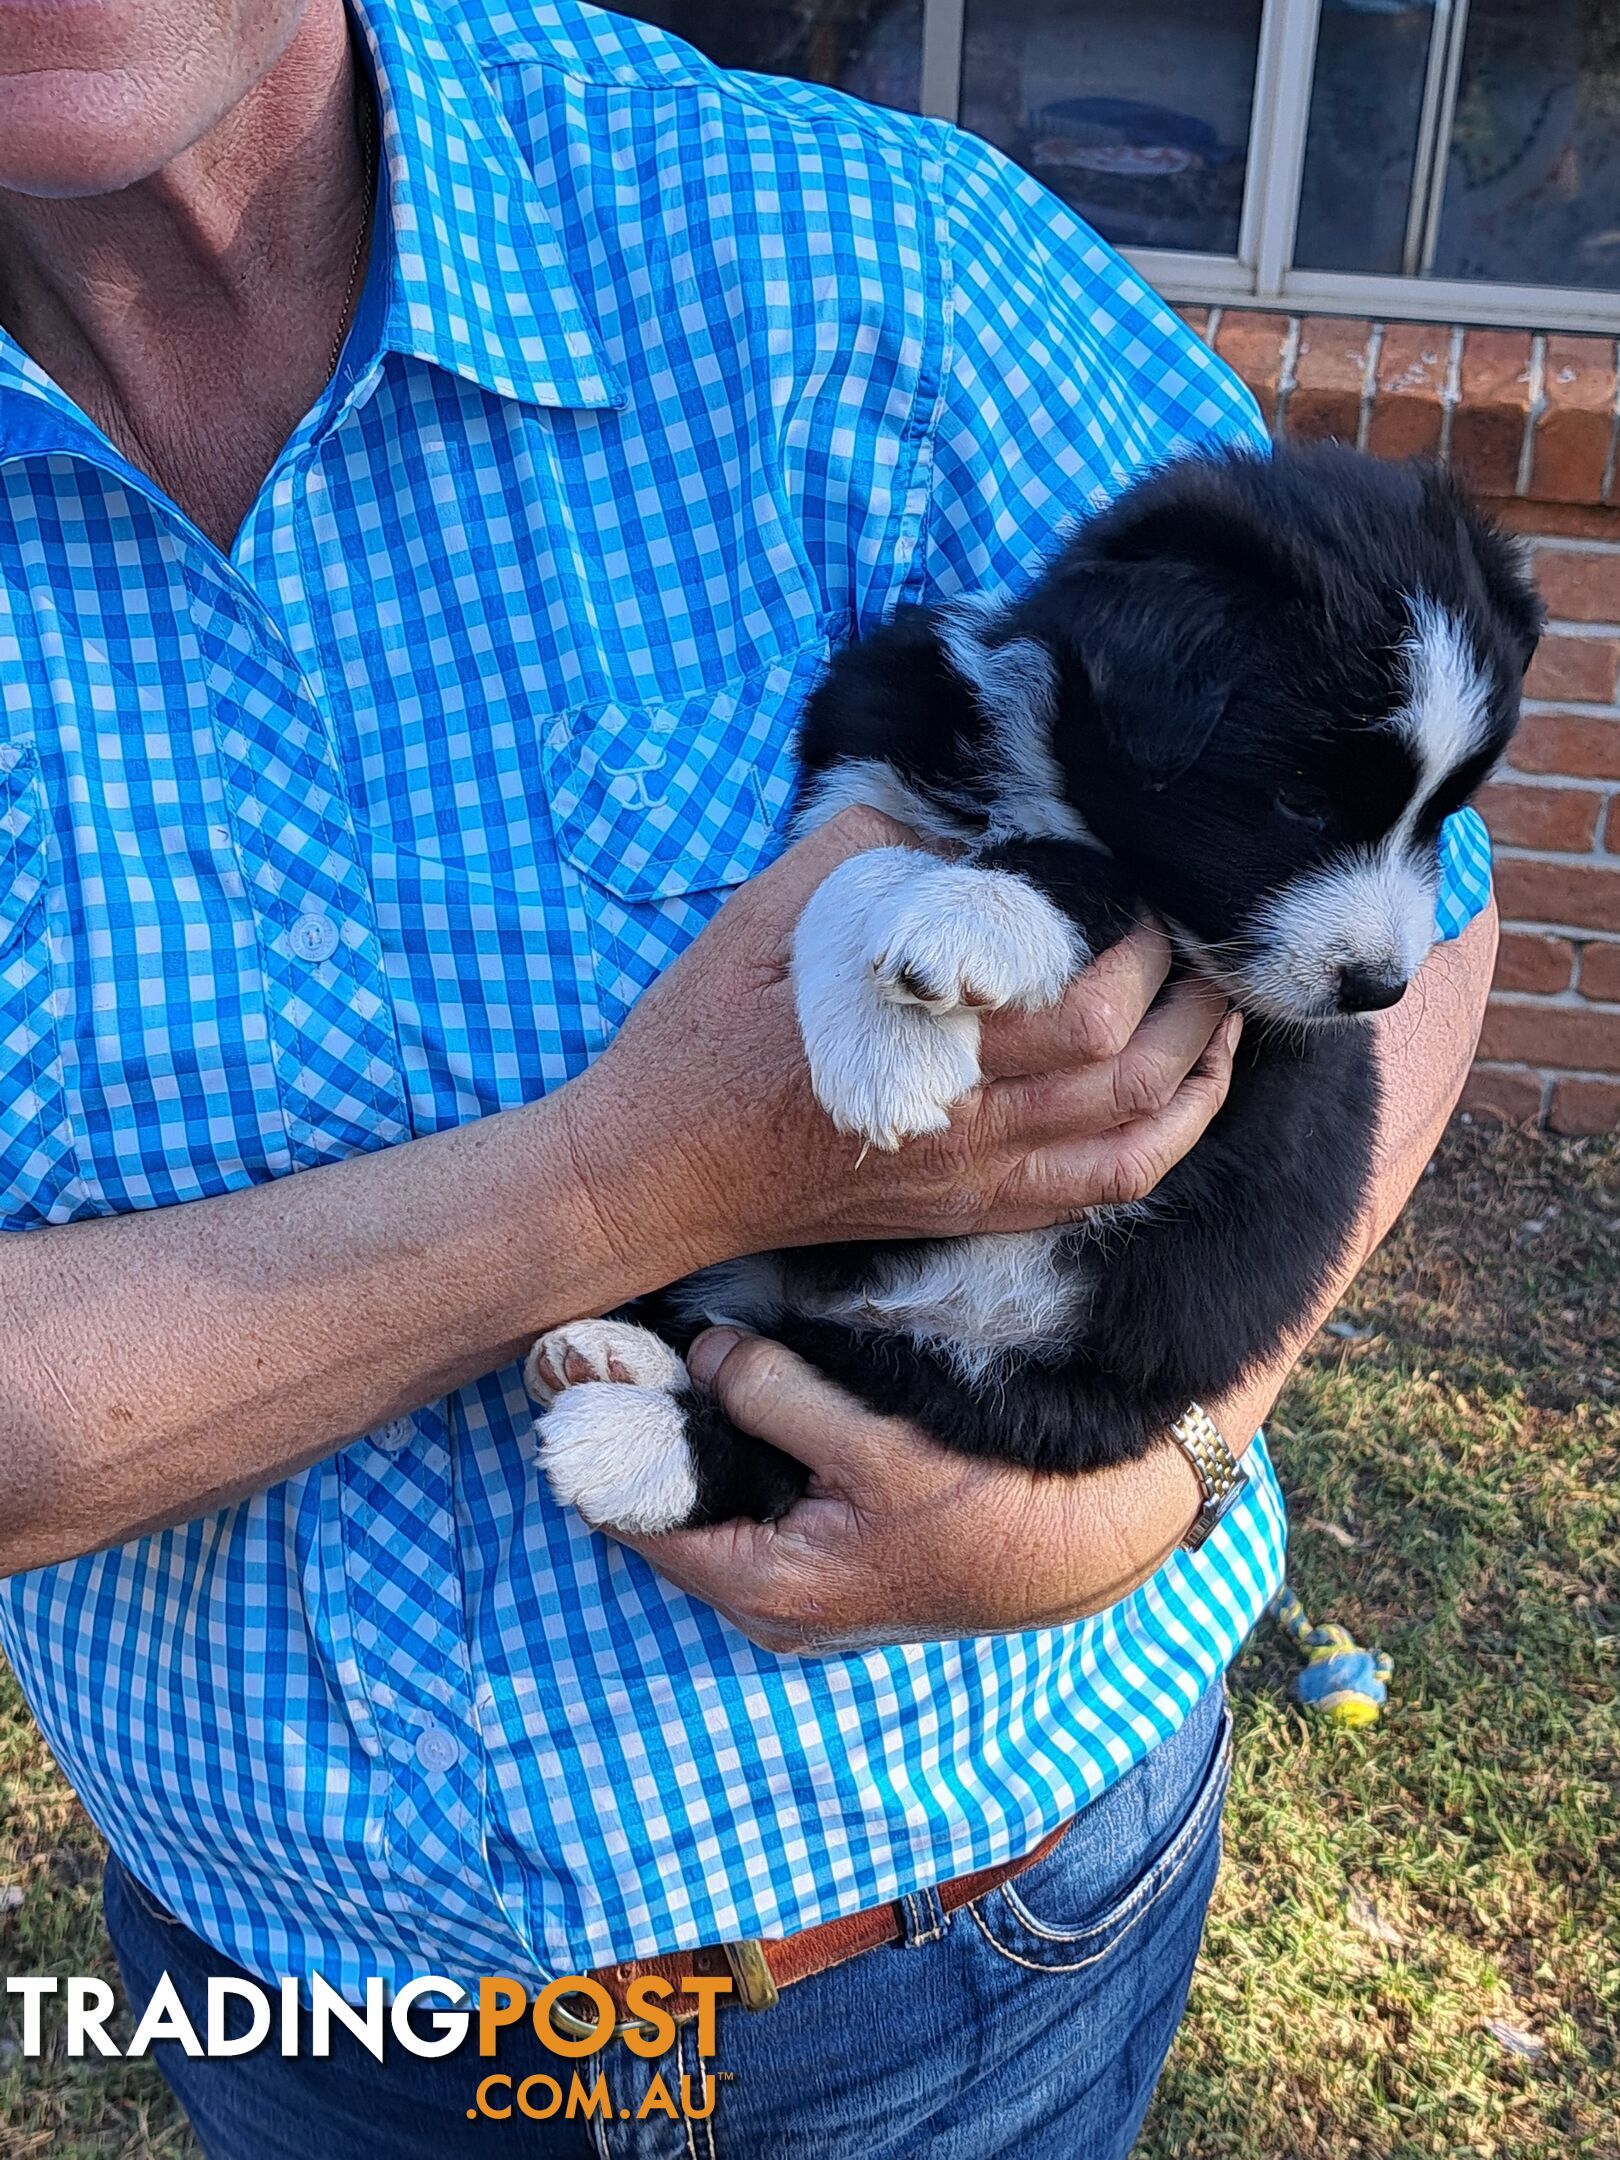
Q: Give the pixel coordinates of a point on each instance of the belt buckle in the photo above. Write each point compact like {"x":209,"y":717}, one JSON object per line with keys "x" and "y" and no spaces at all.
{"x":578,"y":2028}
{"x":756,"y":1987}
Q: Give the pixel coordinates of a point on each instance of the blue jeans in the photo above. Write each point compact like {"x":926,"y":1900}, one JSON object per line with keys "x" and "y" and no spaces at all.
{"x":1034,"y":2022}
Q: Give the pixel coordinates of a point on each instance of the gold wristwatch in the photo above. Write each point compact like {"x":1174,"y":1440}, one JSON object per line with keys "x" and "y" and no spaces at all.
{"x":1221,"y":1477}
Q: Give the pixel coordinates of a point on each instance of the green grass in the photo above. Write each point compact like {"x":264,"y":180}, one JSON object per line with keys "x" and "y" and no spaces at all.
{"x":1387,"y":1896}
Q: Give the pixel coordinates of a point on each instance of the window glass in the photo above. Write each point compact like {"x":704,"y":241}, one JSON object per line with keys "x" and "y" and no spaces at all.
{"x":1361,"y":146}
{"x":1529,"y":173}
{"x":1532,"y":183}
{"x":872,"y":48}
{"x":1136,"y":112}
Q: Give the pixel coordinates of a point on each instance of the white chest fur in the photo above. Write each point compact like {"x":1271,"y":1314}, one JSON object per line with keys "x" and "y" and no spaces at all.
{"x":970,"y":1299}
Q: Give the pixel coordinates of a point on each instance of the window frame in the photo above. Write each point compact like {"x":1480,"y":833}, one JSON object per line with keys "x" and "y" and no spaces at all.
{"x":1262,"y":273}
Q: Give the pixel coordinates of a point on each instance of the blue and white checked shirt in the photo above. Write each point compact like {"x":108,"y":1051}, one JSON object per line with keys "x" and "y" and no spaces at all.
{"x":662,"y":383}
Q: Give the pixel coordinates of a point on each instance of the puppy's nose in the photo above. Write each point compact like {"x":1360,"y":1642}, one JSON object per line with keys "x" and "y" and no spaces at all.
{"x":1360,"y":991}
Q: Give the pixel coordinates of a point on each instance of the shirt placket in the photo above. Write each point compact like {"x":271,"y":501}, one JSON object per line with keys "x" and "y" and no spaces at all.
{"x":342,"y":1091}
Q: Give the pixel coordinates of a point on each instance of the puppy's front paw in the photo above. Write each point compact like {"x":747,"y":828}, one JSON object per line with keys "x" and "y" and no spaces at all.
{"x":586,"y":1350}
{"x":620,"y":1456}
{"x":974,"y":939}
{"x":894,"y":960}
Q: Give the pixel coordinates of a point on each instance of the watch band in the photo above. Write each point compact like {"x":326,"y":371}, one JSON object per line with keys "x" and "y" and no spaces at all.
{"x":1220,"y":1475}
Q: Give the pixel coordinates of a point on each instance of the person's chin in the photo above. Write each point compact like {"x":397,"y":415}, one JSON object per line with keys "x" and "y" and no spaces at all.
{"x":67,"y":133}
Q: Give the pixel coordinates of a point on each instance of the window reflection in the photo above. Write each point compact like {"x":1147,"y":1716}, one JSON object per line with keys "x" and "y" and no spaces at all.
{"x":1136,"y":114}
{"x":1532,"y":185}
{"x":1529,"y":172}
{"x":1361,"y":148}
{"x":872,"y":48}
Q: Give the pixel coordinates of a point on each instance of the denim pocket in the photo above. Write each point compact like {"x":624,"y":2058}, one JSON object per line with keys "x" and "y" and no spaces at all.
{"x":131,"y":1887}
{"x":1051,"y":1918}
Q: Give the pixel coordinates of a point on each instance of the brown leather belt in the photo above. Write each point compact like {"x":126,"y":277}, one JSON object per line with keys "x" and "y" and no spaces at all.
{"x":759,"y":1969}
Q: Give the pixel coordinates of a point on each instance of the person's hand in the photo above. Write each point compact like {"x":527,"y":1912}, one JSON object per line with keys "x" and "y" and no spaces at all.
{"x":900,"y":1540}
{"x":697,"y":1137}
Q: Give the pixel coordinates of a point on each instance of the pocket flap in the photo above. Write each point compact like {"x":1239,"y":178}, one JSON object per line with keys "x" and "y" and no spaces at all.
{"x":654,"y":800}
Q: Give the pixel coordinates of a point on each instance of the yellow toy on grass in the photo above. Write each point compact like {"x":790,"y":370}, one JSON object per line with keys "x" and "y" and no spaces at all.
{"x":1342,"y":1682}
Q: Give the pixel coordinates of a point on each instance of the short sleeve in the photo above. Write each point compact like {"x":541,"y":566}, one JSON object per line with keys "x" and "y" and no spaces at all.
{"x":1063,"y":377}
{"x":1465,"y":873}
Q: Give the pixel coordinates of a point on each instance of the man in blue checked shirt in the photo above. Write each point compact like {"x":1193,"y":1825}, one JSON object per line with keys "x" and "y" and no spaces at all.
{"x":439,"y":443}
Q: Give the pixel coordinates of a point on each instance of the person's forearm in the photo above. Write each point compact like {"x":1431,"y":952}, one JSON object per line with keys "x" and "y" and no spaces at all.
{"x":157,"y":1365}
{"x":160,"y":1364}
{"x":1425,"y":1048}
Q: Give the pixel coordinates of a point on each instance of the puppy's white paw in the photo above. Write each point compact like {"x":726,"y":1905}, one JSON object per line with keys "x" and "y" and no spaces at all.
{"x":894,"y":1072}
{"x":586,"y":1350}
{"x":972,"y":938}
{"x":895,"y":958}
{"x":619,"y":1455}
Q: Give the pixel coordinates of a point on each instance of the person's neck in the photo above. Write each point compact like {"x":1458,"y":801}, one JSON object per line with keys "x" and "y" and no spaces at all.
{"x":193,"y":316}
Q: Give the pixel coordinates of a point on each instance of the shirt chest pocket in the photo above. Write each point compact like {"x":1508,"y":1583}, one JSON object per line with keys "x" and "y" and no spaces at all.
{"x":38,"y":1167}
{"x":660,"y":810}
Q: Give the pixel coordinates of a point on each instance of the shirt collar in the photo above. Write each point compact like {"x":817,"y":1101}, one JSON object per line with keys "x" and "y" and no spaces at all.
{"x":477,"y":277}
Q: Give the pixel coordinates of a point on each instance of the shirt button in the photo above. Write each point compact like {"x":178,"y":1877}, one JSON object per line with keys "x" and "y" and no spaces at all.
{"x":394,"y":1435}
{"x":436,"y":1749}
{"x":314,"y":937}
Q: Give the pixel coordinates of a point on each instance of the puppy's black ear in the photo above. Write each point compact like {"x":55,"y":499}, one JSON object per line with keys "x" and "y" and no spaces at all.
{"x":1222,"y":518}
{"x":1499,"y":558}
{"x":1175,"y":575}
{"x":1153,"y":643}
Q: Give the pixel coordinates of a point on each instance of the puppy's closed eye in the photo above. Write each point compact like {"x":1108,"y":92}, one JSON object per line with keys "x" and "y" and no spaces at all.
{"x":1302,"y":804}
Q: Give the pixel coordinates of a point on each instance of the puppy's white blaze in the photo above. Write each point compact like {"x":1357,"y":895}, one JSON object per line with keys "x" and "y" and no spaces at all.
{"x":894,"y":958}
{"x":619,"y":1455}
{"x":1446,"y":716}
{"x":1373,"y":912}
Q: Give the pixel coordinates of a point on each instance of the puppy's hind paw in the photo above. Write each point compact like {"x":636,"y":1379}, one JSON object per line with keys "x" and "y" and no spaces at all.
{"x":620,"y":1455}
{"x":586,"y":1350}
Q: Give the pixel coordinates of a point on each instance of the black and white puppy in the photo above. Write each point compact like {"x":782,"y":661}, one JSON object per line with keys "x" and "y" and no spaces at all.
{"x":1244,"y":697}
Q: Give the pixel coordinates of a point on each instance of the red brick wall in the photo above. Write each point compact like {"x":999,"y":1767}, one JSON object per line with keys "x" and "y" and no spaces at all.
{"x":1533,"y":423}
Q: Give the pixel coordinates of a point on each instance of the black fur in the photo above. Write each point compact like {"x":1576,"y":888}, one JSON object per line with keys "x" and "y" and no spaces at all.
{"x":1226,"y":641}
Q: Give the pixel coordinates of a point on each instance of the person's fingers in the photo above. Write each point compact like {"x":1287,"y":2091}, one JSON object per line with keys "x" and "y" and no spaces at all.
{"x":1093,"y":1020}
{"x":709,"y":1352}
{"x":1138,"y":1083}
{"x":778,"y":1582}
{"x":1114,"y":1168}
{"x":732,"y":1566}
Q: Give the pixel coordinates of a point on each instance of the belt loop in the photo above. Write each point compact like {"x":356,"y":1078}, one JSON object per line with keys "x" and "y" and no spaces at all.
{"x":755,"y":1982}
{"x":923,"y":1919}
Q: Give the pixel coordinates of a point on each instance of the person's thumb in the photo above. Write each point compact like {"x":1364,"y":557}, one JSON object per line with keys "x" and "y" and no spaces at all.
{"x":769,"y":1392}
{"x":794,"y":876}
